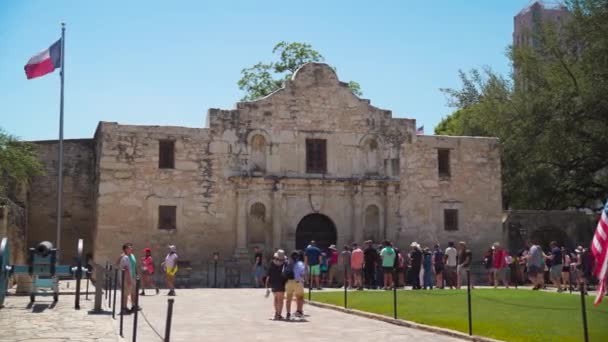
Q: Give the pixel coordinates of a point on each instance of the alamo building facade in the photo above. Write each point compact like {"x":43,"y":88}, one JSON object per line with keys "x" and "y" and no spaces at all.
{"x":309,"y":161}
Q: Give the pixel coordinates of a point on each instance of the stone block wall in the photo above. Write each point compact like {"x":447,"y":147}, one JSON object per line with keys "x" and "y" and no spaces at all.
{"x":131,"y":188}
{"x":78,"y":199}
{"x":473,"y":188}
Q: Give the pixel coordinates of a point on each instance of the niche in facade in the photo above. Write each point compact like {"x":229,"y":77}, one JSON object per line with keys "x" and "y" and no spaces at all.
{"x":256,"y":224}
{"x":258,"y":154}
{"x":371,"y":230}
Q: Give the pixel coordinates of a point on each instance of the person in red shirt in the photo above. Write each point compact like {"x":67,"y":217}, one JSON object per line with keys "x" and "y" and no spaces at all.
{"x":499,"y":264}
{"x":332,"y":263}
{"x":147,"y":272}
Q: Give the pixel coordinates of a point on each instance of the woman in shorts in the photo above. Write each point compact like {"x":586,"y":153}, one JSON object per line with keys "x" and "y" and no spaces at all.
{"x":147,"y":272}
{"x":275,"y":281}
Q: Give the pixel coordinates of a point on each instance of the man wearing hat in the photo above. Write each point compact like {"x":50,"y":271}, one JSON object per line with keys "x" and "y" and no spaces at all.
{"x":332,"y":264}
{"x":170,"y":267}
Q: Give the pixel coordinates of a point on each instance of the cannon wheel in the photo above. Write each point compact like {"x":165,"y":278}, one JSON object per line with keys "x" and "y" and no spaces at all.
{"x":78,"y":273}
{"x":4,"y":259}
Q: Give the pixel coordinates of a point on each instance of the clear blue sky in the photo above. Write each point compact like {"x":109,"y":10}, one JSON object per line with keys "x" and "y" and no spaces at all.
{"x":167,"y":62}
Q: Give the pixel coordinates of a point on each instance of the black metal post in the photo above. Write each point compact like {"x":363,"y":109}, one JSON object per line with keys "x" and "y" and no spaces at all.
{"x":135,"y":308}
{"x":584,"y":310}
{"x":122,"y":301}
{"x":105,"y":281}
{"x":215,"y":273}
{"x":110,"y":287}
{"x":394,"y":293}
{"x":86,"y":296}
{"x":345,"y":286}
{"x":169,"y":317}
{"x":309,"y":288}
{"x":469,"y":302}
{"x":114,"y":300}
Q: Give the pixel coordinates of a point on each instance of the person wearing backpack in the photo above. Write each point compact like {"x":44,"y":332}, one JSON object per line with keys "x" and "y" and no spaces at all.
{"x":438,"y":264}
{"x":293,"y":271}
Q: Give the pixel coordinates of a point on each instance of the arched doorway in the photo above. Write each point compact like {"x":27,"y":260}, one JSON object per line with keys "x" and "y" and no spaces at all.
{"x":316,"y":227}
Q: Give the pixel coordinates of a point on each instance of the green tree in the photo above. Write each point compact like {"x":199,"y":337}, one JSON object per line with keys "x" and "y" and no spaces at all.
{"x":551,"y":115}
{"x":18,"y":162}
{"x":263,"y":78}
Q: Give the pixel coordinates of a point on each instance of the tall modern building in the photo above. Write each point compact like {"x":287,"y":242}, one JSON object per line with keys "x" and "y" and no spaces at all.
{"x":526,"y":22}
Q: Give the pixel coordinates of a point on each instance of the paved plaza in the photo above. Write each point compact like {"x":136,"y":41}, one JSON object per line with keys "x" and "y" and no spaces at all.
{"x":199,"y":314}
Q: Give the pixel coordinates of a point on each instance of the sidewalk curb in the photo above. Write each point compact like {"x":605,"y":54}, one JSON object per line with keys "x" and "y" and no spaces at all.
{"x":404,"y":323}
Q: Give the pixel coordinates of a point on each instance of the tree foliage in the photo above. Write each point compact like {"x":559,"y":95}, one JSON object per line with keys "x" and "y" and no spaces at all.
{"x":551,"y":114}
{"x":18,"y":162}
{"x":263,"y":78}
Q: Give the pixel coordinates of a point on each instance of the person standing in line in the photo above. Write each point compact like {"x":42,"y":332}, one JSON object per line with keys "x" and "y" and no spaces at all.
{"x":125,"y":264}
{"x":388,"y":255}
{"x":345,"y":268}
{"x":294,"y":273}
{"x":416,"y":266}
{"x":258,"y":267}
{"x":450,"y":265}
{"x":332,"y":265}
{"x":147,"y":272}
{"x":370,"y":259}
{"x":427,"y":265}
{"x":312,"y":259}
{"x":535,"y":265}
{"x":276,"y":282}
{"x":438,"y":265}
{"x":499,"y":264}
{"x":488,"y":264}
{"x":555,"y":271}
{"x":170,"y":267}
{"x":356,"y":264}
{"x":464,"y":262}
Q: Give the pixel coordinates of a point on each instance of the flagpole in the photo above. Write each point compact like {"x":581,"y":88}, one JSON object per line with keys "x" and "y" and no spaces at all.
{"x":60,"y":152}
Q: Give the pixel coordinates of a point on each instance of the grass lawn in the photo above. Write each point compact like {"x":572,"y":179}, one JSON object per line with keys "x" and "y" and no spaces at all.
{"x":509,"y":315}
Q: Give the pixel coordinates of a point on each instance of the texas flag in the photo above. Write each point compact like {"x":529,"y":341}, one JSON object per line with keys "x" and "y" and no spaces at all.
{"x":44,"y":62}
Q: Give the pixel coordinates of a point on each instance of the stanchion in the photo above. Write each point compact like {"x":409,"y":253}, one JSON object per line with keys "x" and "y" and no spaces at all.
{"x":110,"y":287}
{"x":310,"y":288}
{"x":105,"y":281}
{"x":345,"y":286}
{"x":169,"y":318}
{"x":86,"y":296}
{"x":394,"y":293}
{"x":215,"y":273}
{"x":469,"y":302}
{"x":122,"y":301}
{"x":135,"y":308}
{"x":584,"y":311}
{"x":115,"y":286}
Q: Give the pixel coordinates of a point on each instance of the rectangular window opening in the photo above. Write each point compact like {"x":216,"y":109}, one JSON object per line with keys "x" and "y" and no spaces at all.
{"x":450,"y":219}
{"x":167,"y":217}
{"x":166,"y":154}
{"x":443,"y":157}
{"x":316,"y":155}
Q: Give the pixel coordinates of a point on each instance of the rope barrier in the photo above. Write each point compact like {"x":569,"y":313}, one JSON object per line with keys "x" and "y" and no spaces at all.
{"x":151,"y":326}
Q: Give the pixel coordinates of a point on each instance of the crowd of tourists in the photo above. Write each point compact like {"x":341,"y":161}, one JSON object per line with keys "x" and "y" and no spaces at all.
{"x":127,"y":264}
{"x":384,"y":266}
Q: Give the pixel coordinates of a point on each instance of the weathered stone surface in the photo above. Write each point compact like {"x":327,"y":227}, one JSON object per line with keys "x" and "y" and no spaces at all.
{"x":243,"y":180}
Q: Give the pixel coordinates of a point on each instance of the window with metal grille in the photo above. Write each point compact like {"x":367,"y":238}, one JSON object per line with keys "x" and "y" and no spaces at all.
{"x":167,"y":217}
{"x":450,"y":219}
{"x":166,"y":154}
{"x":443,"y":157}
{"x":316,"y":155}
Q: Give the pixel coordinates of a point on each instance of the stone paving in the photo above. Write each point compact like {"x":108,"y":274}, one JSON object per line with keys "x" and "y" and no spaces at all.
{"x":199,"y":314}
{"x":244,"y":314}
{"x":43,"y":321}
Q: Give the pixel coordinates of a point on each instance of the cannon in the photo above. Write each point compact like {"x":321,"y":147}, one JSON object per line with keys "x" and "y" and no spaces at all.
{"x":43,"y":268}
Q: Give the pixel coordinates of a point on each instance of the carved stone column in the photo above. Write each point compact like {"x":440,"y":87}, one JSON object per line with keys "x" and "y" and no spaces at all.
{"x":277,"y":216}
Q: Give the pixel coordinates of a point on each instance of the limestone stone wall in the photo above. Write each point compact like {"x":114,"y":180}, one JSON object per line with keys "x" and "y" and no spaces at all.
{"x":473,"y":188}
{"x":78,"y":197}
{"x":132,"y":187}
{"x":568,"y":227}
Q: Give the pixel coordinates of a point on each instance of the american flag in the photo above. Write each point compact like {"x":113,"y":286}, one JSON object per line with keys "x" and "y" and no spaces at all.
{"x":420,"y":130}
{"x":599,"y":248}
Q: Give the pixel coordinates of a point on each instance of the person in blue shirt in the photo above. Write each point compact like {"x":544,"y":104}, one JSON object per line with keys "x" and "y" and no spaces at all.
{"x":312,"y":259}
{"x":427,"y":264}
{"x":294,"y":272}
